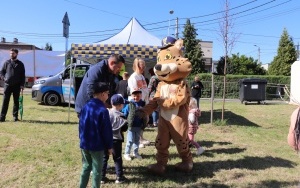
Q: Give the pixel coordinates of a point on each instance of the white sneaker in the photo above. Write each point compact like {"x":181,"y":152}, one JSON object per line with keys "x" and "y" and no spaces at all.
{"x":145,"y":142}
{"x":200,"y":151}
{"x":137,"y":156}
{"x":141,"y":146}
{"x":127,"y":157}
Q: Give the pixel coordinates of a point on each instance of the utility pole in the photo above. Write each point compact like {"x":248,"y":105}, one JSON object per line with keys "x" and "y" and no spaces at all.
{"x":258,"y":53}
{"x":171,"y":12}
{"x":176,"y":31}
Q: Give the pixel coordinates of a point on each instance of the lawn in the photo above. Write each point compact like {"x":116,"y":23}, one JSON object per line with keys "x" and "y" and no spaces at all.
{"x":249,"y":151}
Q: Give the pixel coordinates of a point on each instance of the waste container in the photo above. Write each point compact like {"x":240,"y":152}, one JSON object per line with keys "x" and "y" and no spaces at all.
{"x":252,"y":90}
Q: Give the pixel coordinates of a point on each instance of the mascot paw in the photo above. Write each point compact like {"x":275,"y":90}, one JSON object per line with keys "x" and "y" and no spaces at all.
{"x":157,"y":169}
{"x":184,"y":166}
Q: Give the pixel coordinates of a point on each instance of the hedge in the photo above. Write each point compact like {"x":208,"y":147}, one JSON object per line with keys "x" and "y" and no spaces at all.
{"x":274,"y":88}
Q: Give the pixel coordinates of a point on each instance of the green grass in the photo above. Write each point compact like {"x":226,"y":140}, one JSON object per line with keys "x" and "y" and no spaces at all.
{"x":248,"y":149}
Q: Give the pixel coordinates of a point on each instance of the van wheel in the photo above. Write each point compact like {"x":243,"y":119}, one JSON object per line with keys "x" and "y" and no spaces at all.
{"x":51,"y":99}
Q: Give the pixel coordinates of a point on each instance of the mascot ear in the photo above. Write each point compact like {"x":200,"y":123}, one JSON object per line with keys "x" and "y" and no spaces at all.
{"x":179,"y":44}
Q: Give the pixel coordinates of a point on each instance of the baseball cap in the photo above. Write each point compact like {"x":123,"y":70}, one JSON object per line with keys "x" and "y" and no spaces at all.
{"x":167,"y":41}
{"x":136,"y":91}
{"x":100,"y":87}
{"x":118,"y":99}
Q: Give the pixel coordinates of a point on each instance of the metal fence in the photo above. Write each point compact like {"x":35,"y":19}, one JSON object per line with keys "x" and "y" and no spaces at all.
{"x":273,"y":91}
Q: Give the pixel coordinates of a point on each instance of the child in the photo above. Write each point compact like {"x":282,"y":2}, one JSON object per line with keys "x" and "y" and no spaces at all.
{"x":194,"y":114}
{"x":95,"y":134}
{"x":135,"y":124}
{"x":119,"y":125}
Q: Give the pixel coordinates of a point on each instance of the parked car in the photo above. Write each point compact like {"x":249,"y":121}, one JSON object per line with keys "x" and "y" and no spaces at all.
{"x":60,"y":88}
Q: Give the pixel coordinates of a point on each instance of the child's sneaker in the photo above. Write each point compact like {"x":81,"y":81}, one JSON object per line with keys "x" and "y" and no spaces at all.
{"x":200,"y":150}
{"x":127,"y":157}
{"x":104,"y":180}
{"x":137,"y":156}
{"x":141,"y":145}
{"x":121,"y":179}
{"x":145,"y":142}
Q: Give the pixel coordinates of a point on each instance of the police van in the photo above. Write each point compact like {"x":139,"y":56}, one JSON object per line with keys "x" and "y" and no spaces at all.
{"x":58,"y":89}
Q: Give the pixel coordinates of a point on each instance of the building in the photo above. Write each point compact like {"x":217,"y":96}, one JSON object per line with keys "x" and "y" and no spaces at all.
{"x":206,"y":47}
{"x":4,"y":45}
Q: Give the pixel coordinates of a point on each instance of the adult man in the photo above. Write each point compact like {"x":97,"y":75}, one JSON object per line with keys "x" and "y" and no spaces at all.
{"x":104,"y":71}
{"x":197,"y":87}
{"x":13,"y":74}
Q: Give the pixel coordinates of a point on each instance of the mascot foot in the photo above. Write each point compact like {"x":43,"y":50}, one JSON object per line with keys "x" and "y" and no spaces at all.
{"x":157,"y":169}
{"x":184,"y":166}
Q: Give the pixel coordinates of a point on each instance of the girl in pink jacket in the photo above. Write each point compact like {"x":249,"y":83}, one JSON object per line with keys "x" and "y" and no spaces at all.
{"x":194,"y":114}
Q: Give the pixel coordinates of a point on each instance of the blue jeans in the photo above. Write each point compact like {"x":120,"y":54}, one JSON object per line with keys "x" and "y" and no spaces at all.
{"x":133,"y":140}
{"x":155,"y":117}
{"x":91,"y":160}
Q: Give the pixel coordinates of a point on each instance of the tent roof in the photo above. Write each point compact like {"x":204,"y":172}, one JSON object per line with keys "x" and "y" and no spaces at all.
{"x":133,"y":33}
{"x":133,"y":41}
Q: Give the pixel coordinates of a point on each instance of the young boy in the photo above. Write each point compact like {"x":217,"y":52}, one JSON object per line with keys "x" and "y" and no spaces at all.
{"x":135,"y":124}
{"x":119,"y":125}
{"x":95,"y":134}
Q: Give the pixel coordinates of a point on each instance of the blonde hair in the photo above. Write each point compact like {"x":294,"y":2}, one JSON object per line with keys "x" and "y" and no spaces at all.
{"x":193,"y":103}
{"x":136,"y":62}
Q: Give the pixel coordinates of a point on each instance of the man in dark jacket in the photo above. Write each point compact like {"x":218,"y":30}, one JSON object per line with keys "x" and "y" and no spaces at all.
{"x":197,"y":87}
{"x":104,"y":71}
{"x":13,"y":74}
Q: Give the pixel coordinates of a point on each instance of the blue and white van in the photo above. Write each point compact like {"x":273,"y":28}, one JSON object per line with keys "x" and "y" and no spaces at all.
{"x":58,"y":89}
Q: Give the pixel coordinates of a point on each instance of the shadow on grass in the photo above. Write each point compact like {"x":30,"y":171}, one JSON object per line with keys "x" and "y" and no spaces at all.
{"x":50,"y":122}
{"x":232,"y":118}
{"x":276,"y":184}
{"x":208,"y":169}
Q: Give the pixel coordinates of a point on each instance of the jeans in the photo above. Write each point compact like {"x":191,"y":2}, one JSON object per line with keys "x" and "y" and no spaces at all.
{"x":8,"y":90}
{"x":91,"y":161}
{"x":133,"y":140}
{"x":117,"y":156}
{"x":155,"y":117}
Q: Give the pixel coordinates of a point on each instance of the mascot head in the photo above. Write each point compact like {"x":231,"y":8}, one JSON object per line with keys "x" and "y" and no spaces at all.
{"x":171,"y":65}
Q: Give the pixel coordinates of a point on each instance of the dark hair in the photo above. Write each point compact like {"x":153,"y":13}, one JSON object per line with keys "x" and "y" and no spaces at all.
{"x":118,"y":58}
{"x":15,"y":50}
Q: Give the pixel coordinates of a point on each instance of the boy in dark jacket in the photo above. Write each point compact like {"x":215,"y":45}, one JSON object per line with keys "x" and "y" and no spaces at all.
{"x":135,"y":124}
{"x":95,"y":134}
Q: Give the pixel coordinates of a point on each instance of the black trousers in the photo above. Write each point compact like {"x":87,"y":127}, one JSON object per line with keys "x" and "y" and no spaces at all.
{"x":8,"y":90}
{"x":117,"y":156}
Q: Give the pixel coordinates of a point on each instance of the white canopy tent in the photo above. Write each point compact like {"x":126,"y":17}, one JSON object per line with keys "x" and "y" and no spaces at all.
{"x":38,"y":63}
{"x":295,"y":89}
{"x":131,"y":42}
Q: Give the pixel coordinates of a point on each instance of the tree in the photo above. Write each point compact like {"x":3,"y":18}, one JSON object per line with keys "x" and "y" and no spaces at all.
{"x":48,"y":47}
{"x":240,"y":65}
{"x":286,"y":56}
{"x":192,"y":48}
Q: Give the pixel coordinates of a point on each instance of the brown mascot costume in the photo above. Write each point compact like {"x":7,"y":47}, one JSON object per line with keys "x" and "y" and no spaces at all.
{"x":172,"y":97}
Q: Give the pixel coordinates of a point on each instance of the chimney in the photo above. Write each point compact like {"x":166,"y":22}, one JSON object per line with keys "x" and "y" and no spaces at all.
{"x":15,"y":40}
{"x":3,"y":40}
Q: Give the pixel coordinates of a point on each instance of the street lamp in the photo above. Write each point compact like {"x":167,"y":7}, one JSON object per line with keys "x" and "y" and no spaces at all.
{"x":171,"y":12}
{"x":258,"y":53}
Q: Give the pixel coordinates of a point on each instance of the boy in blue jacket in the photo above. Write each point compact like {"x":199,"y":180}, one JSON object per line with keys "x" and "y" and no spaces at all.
{"x":95,"y":134}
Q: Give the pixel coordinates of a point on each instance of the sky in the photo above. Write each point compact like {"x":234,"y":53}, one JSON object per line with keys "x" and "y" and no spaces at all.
{"x":255,"y":24}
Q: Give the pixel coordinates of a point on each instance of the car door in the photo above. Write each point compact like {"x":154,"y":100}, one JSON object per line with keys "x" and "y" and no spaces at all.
{"x":71,"y":84}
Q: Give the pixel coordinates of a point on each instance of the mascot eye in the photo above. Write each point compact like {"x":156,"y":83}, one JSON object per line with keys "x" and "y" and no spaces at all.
{"x":168,"y":56}
{"x":158,"y":59}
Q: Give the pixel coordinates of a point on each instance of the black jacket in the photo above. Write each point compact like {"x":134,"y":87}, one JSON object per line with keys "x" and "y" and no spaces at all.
{"x":197,"y":89}
{"x":13,"y":73}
